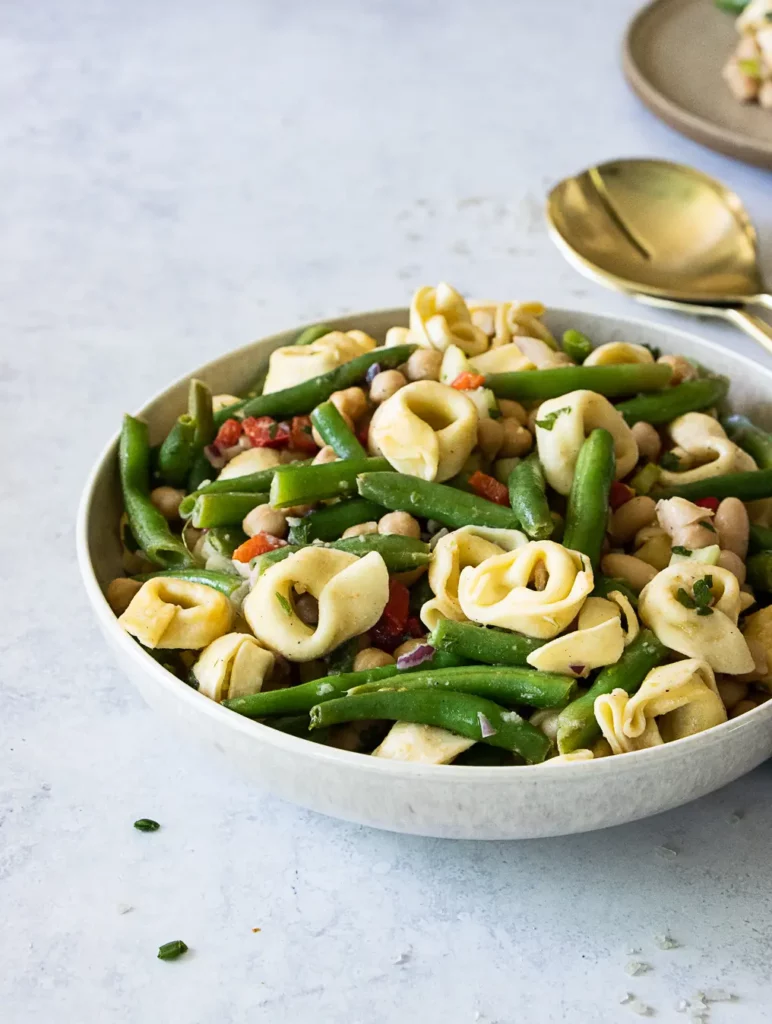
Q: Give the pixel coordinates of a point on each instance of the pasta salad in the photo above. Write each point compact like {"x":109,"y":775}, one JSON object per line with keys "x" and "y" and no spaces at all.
{"x":470,"y":543}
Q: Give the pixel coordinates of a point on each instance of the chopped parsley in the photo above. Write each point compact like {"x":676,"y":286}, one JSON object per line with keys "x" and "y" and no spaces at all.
{"x":685,"y":599}
{"x":680,"y":550}
{"x":751,"y":68}
{"x":700,"y":598}
{"x":656,"y":352}
{"x":670,"y":461}
{"x":171,"y":950}
{"x":272,"y":430}
{"x":146,"y":825}
{"x":286,"y":607}
{"x":708,"y":526}
{"x":549,"y":420}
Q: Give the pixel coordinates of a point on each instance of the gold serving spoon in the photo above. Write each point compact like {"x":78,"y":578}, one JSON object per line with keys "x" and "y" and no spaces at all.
{"x":666,"y":234}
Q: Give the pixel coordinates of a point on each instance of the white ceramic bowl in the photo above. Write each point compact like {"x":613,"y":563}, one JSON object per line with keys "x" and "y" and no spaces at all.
{"x":446,"y":801}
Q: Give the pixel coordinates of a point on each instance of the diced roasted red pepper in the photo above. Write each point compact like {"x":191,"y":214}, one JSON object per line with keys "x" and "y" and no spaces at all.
{"x":468,"y":381}
{"x":301,"y":438}
{"x":619,"y":494}
{"x":257,"y":545}
{"x":711,"y":503}
{"x":415,"y":627}
{"x":363,"y":431}
{"x":489,"y":487}
{"x":265,"y":432}
{"x":228,"y":434}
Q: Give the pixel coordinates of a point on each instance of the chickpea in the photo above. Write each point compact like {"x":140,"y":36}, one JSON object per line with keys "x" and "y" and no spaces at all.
{"x":729,"y":560}
{"x":628,"y":568}
{"x":360,"y":530}
{"x":386,"y":384}
{"x":648,"y":441}
{"x":409,"y":646}
{"x":682,"y":369}
{"x":351,"y":402}
{"x":731,"y":692}
{"x":120,"y":593}
{"x":319,"y":440}
{"x":325,"y":455}
{"x":424,"y":364}
{"x":517,"y":439}
{"x":490,"y":436}
{"x":511,"y":410}
{"x":167,"y":501}
{"x":265,"y":519}
{"x":631,"y":517}
{"x":307,"y":609}
{"x":401,"y":523}
{"x":742,"y":708}
{"x":732,"y":524}
{"x":372,"y":657}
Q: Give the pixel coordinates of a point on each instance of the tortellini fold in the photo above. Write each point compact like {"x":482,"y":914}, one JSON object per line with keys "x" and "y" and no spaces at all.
{"x":455,"y":551}
{"x":704,"y":441}
{"x":598,"y":640}
{"x":497,"y":592}
{"x":234,"y":665}
{"x":173,"y":613}
{"x":294,"y":364}
{"x":664,"y":606}
{"x":426,"y":429}
{"x":439,"y":317}
{"x":250,"y":461}
{"x":508,"y":358}
{"x":564,"y":423}
{"x":422,"y":744}
{"x":673,"y":701}
{"x":616,"y":353}
{"x":504,"y":322}
{"x":352,"y":593}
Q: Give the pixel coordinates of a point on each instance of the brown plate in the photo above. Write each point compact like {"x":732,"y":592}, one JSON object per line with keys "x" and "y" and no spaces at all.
{"x":673,"y":55}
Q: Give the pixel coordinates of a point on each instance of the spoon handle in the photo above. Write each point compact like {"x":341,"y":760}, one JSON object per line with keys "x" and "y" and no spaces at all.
{"x":763,"y":300}
{"x":753,"y":326}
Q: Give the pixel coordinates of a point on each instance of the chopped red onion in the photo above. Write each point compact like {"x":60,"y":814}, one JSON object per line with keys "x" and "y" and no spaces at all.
{"x":214,"y":457}
{"x":232,"y":452}
{"x":422,"y":653}
{"x":372,"y":372}
{"x":486,"y":729}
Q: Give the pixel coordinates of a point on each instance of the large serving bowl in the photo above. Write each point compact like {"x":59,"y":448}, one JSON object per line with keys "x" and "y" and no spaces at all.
{"x":436,"y":800}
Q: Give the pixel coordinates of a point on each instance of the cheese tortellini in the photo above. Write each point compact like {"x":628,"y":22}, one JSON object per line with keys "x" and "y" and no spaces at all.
{"x":234,"y":665}
{"x":439,"y":317}
{"x":667,"y":606}
{"x":504,"y":322}
{"x":352,"y":593}
{"x":616,"y":353}
{"x":598,"y":640}
{"x":673,"y":701}
{"x":702,"y":444}
{"x":564,"y":423}
{"x":253,"y":460}
{"x":172,"y":613}
{"x":497,"y":592}
{"x":468,"y":546}
{"x":426,"y":429}
{"x":294,"y":364}
{"x":422,"y":744}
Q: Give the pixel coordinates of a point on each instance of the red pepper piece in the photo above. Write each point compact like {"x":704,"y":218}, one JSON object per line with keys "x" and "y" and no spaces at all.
{"x":619,"y":494}
{"x":711,"y":503}
{"x":301,"y":437}
{"x":257,"y":545}
{"x":265,"y":432}
{"x":468,"y":381}
{"x":489,"y":487}
{"x":228,"y":434}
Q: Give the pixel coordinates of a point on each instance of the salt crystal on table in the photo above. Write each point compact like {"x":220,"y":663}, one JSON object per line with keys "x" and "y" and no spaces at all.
{"x":667,"y":852}
{"x":666,"y":941}
{"x":718,"y":995}
{"x":641,"y":1008}
{"x":636,"y":967}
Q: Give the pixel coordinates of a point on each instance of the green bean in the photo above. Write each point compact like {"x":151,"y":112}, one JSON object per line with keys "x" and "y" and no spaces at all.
{"x":434,"y":501}
{"x":223,"y":540}
{"x":506,"y":685}
{"x":420,"y":593}
{"x":666,"y":406}
{"x":176,"y":454}
{"x":752,"y":439}
{"x":577,"y":345}
{"x":612,"y":381}
{"x":605,"y":585}
{"x":587,"y":510}
{"x":760,"y":538}
{"x":148,"y":526}
{"x":200,"y":411}
{"x":461,"y":713}
{"x":479,"y":643}
{"x":577,"y":726}
{"x":646,"y":478}
{"x":335,"y":432}
{"x":259,"y":482}
{"x":299,"y":725}
{"x":227,"y":583}
{"x":224,"y":509}
{"x":329,"y":522}
{"x":748,"y":486}
{"x":269,"y":558}
{"x":401,"y":554}
{"x":303,"y":398}
{"x":312,"y":334}
{"x":305,"y":485}
{"x":528,"y":498}
{"x":759,"y":568}
{"x":200,"y":472}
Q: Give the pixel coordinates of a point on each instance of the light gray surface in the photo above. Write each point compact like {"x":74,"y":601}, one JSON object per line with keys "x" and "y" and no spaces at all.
{"x":178,"y":178}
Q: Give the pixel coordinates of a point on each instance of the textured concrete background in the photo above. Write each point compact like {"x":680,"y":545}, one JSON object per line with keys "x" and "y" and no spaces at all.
{"x":175,"y":179}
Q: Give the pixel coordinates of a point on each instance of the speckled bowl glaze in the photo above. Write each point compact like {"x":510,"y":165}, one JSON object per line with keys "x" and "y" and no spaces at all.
{"x":445,"y":801}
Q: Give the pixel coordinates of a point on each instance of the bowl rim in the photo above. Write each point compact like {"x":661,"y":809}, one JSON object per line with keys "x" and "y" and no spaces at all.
{"x":289,"y":744}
